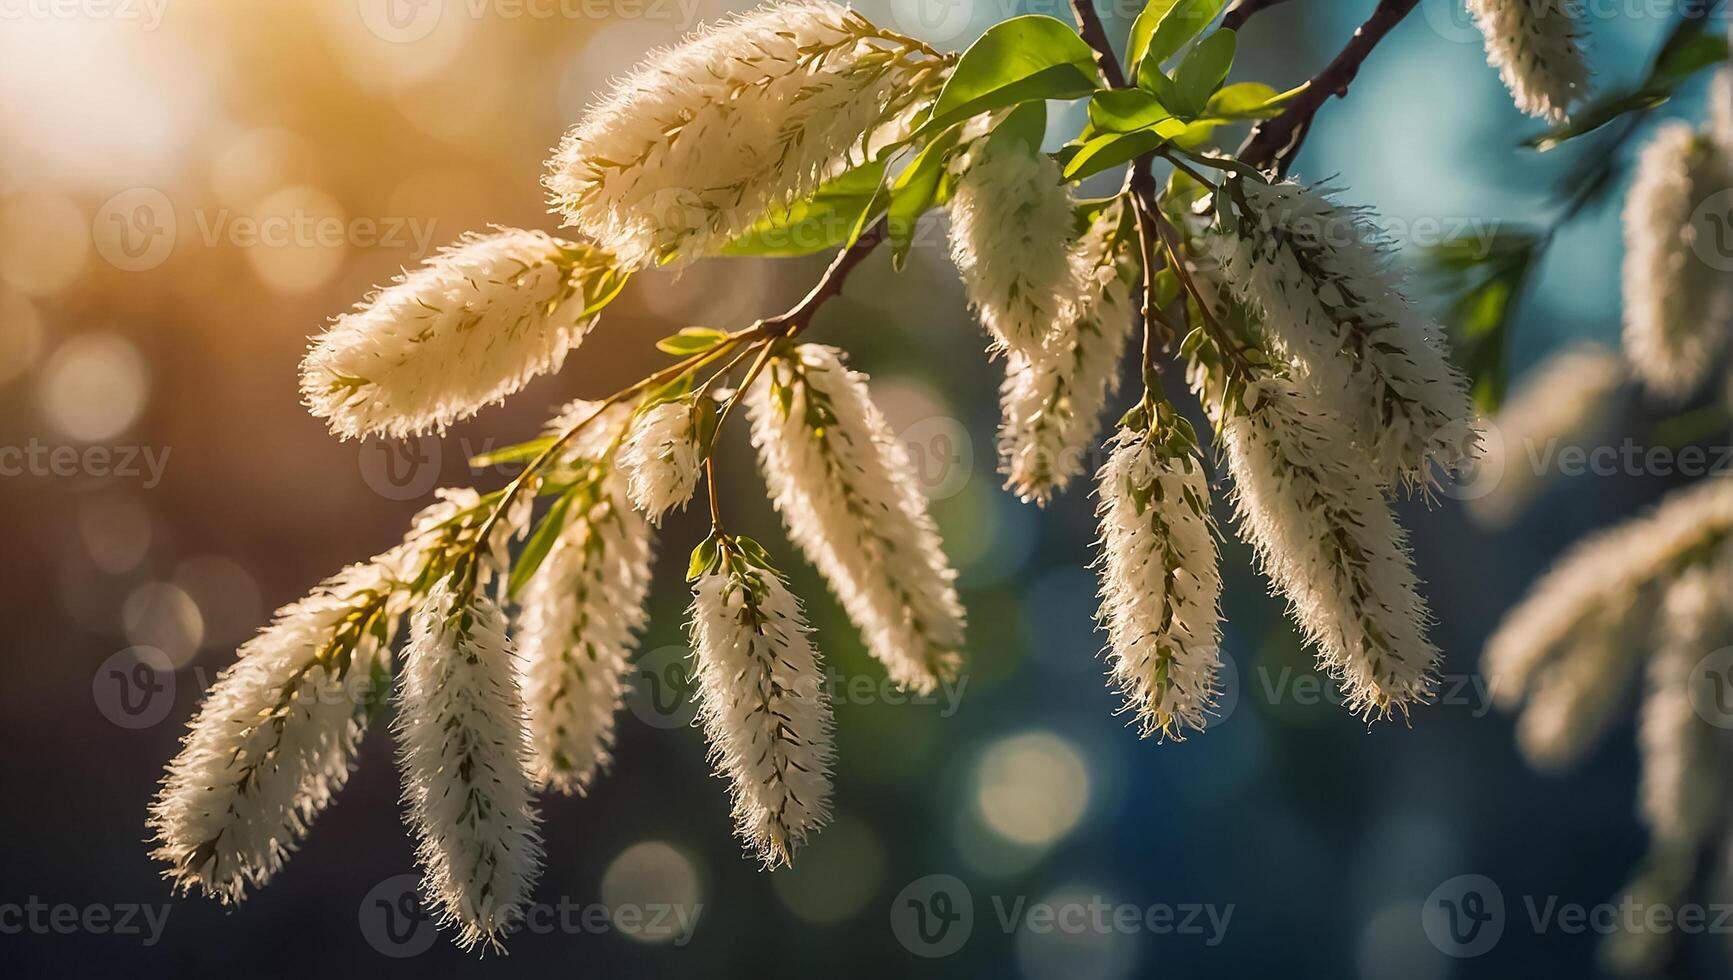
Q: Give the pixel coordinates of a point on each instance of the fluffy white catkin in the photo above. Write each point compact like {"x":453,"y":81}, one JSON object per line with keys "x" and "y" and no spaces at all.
{"x":473,"y":325}
{"x":660,"y":458}
{"x":763,"y":704}
{"x":692,"y":145}
{"x":1602,"y":580}
{"x":1011,"y":236}
{"x":1051,"y":405}
{"x":1160,"y":584}
{"x":582,"y":612}
{"x":1682,"y":782}
{"x":1567,"y":397}
{"x":274,"y":740}
{"x":465,"y":758}
{"x":1317,"y":275}
{"x":1573,"y":701}
{"x":850,"y":499}
{"x":1328,"y":541}
{"x":1534,"y":46}
{"x":1677,"y":305}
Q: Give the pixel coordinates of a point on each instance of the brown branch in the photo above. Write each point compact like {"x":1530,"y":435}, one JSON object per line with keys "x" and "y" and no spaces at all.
{"x":1278,"y":140}
{"x":1242,"y":11}
{"x":1090,"y":28}
{"x":829,"y":285}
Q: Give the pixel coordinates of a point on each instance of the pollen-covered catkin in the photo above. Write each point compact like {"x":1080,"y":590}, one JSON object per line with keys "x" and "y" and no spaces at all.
{"x":1160,"y":582}
{"x":1678,"y":306}
{"x":1328,"y":541}
{"x":1535,"y":46}
{"x":473,"y":325}
{"x":582,"y":611}
{"x":1317,"y":276}
{"x":762,"y":701}
{"x":1051,"y":405}
{"x":465,"y":762}
{"x":852,"y":502}
{"x":694,"y":144}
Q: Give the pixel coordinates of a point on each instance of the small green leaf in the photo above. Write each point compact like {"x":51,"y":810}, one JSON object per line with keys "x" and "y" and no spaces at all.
{"x":1026,"y":125}
{"x":1125,"y":111}
{"x":1203,"y":71}
{"x":1595,"y":115}
{"x":1246,"y":100}
{"x":817,"y":223}
{"x":1167,"y":25}
{"x":691,"y":340}
{"x":522,"y":452}
{"x":1019,"y":60}
{"x":919,"y":188}
{"x":703,"y":559}
{"x":541,"y":540}
{"x":705,"y":416}
{"x":1143,"y":31}
{"x":378,"y":688}
{"x":1110,"y":150}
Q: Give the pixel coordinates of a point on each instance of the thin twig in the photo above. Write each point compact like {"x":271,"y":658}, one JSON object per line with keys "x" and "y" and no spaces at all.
{"x":829,"y":285}
{"x":1277,"y":141}
{"x":1243,"y":10}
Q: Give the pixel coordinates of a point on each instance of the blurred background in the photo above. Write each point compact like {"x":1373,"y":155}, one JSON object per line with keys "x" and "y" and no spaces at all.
{"x":189,"y":188}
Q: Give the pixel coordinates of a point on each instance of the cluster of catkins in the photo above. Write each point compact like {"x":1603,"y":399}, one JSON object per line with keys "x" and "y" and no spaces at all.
{"x":1645,"y":601}
{"x":1339,"y":397}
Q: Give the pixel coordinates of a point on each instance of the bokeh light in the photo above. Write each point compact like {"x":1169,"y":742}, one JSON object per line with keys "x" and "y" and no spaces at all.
{"x":94,"y":386}
{"x":1032,"y":788}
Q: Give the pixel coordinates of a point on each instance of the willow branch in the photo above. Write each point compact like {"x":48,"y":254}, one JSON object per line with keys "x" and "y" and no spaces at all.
{"x":1278,"y":140}
{"x":1243,"y":10}
{"x":829,"y":285}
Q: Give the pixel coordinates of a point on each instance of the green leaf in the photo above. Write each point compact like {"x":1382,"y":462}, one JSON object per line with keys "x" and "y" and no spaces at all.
{"x":1246,"y":100}
{"x":822,"y":221}
{"x":1167,"y":25}
{"x":1143,"y":31}
{"x":540,"y":542}
{"x":522,"y":452}
{"x":1019,"y":60}
{"x":1026,"y":124}
{"x":378,"y":688}
{"x":1203,"y":71}
{"x":704,"y":558}
{"x":920,"y":187}
{"x":691,"y":340}
{"x":1125,"y":111}
{"x":1110,"y":150}
{"x":1597,"y":114}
